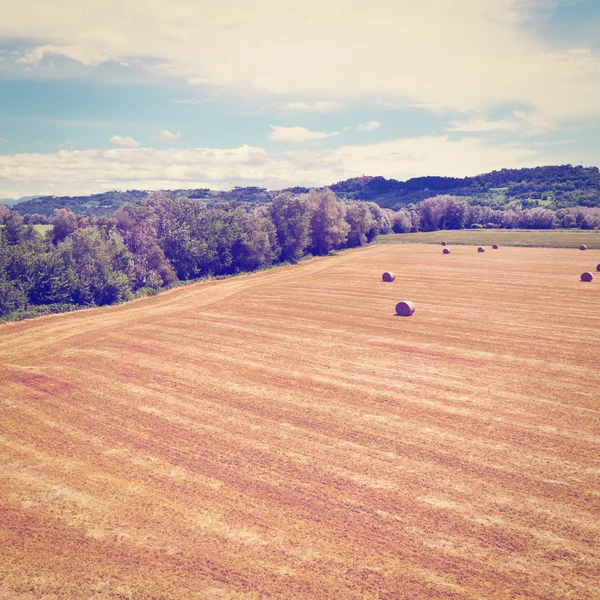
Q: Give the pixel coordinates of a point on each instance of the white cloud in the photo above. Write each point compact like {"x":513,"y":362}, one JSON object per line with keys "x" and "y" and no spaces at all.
{"x":475,"y":55}
{"x":523,"y":121}
{"x":90,"y":171}
{"x":297,"y":135}
{"x":166,"y":136}
{"x":368,"y":126}
{"x":199,"y":81}
{"x":483,"y":125}
{"x":191,"y":101}
{"x":33,"y":56}
{"x":429,"y":155}
{"x":323,"y":106}
{"x":3,"y":139}
{"x":82,"y":53}
{"x":123,"y":142}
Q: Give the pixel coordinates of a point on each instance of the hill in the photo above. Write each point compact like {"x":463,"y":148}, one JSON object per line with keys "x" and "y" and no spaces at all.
{"x":104,"y":204}
{"x":551,"y":187}
{"x":96,"y":204}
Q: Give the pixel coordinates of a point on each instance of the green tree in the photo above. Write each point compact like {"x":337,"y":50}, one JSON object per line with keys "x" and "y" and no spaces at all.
{"x":52,"y":281}
{"x":103,"y":267}
{"x":329,"y":228}
{"x":14,"y":228}
{"x":64,"y":224}
{"x":11,"y":296}
{"x":4,"y":212}
{"x":383,"y":223}
{"x":361,"y":221}
{"x":255,"y":238}
{"x":137,"y":224}
{"x":291,"y":216}
{"x":402,"y":222}
{"x":197,"y":241}
{"x":443,"y":212}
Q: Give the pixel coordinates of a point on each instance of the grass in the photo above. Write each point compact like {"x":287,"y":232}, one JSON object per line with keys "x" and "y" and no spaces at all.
{"x":33,"y":311}
{"x":543,"y":238}
{"x":41,"y":229}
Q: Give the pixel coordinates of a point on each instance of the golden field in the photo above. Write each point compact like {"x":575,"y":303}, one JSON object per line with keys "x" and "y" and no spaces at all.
{"x":285,"y":435}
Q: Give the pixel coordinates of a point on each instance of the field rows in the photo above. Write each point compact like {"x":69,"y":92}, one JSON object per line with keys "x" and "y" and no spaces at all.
{"x":285,"y":435}
{"x":548,"y":238}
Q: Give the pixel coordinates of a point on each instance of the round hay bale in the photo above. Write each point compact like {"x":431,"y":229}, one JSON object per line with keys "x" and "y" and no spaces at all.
{"x":481,"y":249}
{"x":495,"y":246}
{"x":587,"y":276}
{"x":446,"y":251}
{"x":583,"y":247}
{"x":405,"y":308}
{"x":444,"y":243}
{"x":388,"y":276}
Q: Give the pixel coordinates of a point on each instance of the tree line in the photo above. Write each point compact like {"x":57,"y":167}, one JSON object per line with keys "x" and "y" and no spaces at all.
{"x":152,"y":244}
{"x":454,"y":212}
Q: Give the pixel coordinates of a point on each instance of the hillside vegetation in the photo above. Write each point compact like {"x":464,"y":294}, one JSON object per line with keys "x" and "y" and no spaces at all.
{"x":105,"y":204}
{"x":551,"y":187}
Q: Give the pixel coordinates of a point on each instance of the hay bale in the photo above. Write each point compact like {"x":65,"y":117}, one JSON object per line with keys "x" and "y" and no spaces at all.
{"x":388,"y":276}
{"x":444,"y":243}
{"x":583,"y":247}
{"x":495,"y":246}
{"x":587,"y":276}
{"x":481,"y":249}
{"x":446,"y":251}
{"x":405,"y":308}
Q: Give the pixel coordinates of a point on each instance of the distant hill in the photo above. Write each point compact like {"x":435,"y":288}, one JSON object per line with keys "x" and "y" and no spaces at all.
{"x":13,"y":201}
{"x":105,"y":204}
{"x":552,"y":187}
{"x":97,"y":204}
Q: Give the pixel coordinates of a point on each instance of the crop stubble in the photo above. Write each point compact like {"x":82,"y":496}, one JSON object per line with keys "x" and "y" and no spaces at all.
{"x":284,"y":435}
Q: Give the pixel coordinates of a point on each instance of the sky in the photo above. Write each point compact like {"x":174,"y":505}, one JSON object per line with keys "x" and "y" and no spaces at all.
{"x":167,"y":94}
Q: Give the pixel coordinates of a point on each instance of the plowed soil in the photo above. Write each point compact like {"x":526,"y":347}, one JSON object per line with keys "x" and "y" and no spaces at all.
{"x":285,"y":435}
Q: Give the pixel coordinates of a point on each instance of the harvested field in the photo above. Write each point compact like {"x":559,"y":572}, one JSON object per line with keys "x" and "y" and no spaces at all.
{"x":548,"y":238}
{"x":285,"y":435}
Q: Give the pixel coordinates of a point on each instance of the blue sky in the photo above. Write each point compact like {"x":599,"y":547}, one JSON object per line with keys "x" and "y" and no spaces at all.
{"x":156,"y":94}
